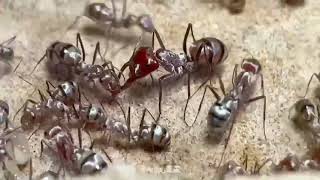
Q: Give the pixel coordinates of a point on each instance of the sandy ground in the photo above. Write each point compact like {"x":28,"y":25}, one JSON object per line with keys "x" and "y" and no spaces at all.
{"x":285,"y":40}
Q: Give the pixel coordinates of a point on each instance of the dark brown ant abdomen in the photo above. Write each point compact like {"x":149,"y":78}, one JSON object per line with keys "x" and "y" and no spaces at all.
{"x":208,"y":50}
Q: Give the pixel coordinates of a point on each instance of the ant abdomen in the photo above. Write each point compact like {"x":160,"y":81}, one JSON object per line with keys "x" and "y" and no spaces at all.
{"x":208,"y":50}
{"x":100,"y":13}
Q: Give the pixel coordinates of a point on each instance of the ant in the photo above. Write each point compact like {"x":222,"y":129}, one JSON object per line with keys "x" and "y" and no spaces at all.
{"x":223,"y":112}
{"x":79,"y":160}
{"x":103,"y":15}
{"x":149,"y":136}
{"x":146,"y":60}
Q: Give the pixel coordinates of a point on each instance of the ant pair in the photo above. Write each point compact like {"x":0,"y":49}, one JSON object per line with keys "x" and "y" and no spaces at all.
{"x":145,"y":60}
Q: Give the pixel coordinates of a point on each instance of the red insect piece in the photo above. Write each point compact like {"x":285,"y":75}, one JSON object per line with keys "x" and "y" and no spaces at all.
{"x":142,"y":63}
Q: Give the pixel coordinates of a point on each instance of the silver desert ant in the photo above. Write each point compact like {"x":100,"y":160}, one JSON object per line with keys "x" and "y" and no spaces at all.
{"x":66,"y":61}
{"x":103,"y":15}
{"x":62,"y":58}
{"x":149,"y":136}
{"x":43,"y":112}
{"x":209,"y":51}
{"x":223,"y":112}
{"x":77,"y":159}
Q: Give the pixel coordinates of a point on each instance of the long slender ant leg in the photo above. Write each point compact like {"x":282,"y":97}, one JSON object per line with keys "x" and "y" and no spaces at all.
{"x":95,"y":53}
{"x":202,"y":99}
{"x":190,"y":97}
{"x":222,"y":86}
{"x":30,"y":169}
{"x":16,"y":68}
{"x":8,"y":41}
{"x":264,"y":111}
{"x":41,"y":59}
{"x":33,"y":132}
{"x":74,"y":23}
{"x":80,"y":138}
{"x":79,"y":40}
{"x":129,"y":124}
{"x":160,"y":91}
{"x":186,"y":35}
{"x":313,"y":75}
{"x":227,"y":142}
{"x":234,"y":75}
{"x":159,"y":39}
{"x":141,"y":123}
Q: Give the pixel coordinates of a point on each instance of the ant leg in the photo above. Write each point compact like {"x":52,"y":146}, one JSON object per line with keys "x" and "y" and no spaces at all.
{"x":264,"y":111}
{"x":33,"y":132}
{"x":82,"y":47}
{"x":313,"y":75}
{"x":166,"y":76}
{"x":222,"y":86}
{"x":128,"y":121}
{"x":48,"y":83}
{"x":186,"y":35}
{"x":95,"y":53}
{"x":8,"y":41}
{"x":141,"y":123}
{"x":42,"y":97}
{"x":151,"y":115}
{"x":41,"y":59}
{"x":234,"y":75}
{"x":30,"y":169}
{"x":227,"y":141}
{"x":80,"y":138}
{"x":15,"y":69}
{"x":127,"y":64}
{"x":122,"y":109}
{"x":74,"y":23}
{"x":106,"y":154}
{"x":158,"y":38}
{"x":212,"y":89}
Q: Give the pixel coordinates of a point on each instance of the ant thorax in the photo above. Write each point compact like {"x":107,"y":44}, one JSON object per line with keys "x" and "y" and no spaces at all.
{"x":171,"y":61}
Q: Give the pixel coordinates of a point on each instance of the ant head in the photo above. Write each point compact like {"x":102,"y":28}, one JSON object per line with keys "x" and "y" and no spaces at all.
{"x":145,"y":22}
{"x":251,"y":65}
{"x":4,"y":105}
{"x":145,"y":59}
{"x":306,"y":109}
